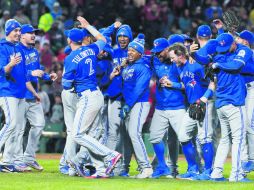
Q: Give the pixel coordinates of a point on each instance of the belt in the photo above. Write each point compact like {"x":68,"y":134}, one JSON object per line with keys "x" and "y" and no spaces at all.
{"x":91,"y":90}
{"x":250,"y":84}
{"x":31,"y":100}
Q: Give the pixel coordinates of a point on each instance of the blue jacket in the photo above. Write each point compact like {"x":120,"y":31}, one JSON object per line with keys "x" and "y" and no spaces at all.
{"x":231,"y":86}
{"x":136,"y":79}
{"x":192,"y":75}
{"x":116,"y":86}
{"x":168,"y":98}
{"x":32,"y":63}
{"x":80,"y":67}
{"x":14,"y":83}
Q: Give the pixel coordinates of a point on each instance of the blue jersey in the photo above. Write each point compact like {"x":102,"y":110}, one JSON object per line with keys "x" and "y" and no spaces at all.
{"x":79,"y":67}
{"x":14,"y":83}
{"x":32,"y":63}
{"x":192,"y":76}
{"x":247,"y":71}
{"x":168,"y":98}
{"x":136,"y":79}
{"x":116,"y":86}
{"x":231,"y":86}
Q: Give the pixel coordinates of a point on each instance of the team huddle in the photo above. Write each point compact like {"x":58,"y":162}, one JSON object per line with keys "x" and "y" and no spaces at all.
{"x":106,"y":102}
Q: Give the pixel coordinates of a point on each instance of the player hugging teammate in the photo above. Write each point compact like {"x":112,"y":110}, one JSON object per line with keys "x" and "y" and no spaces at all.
{"x":199,"y":87}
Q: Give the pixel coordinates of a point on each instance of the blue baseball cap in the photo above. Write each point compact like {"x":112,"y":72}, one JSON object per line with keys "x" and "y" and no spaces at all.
{"x":175,"y":38}
{"x":75,"y":35}
{"x":28,"y":28}
{"x":247,"y":35}
{"x":211,"y":46}
{"x":204,"y":31}
{"x":225,"y":40}
{"x":159,"y":45}
{"x":11,"y":25}
{"x":187,"y":38}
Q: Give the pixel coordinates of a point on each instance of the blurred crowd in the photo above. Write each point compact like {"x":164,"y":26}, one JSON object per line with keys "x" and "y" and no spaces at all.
{"x":155,"y":18}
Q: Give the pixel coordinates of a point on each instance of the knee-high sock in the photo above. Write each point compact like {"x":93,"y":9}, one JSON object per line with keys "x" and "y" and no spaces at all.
{"x":190,"y":154}
{"x":208,"y":155}
{"x":159,"y":149}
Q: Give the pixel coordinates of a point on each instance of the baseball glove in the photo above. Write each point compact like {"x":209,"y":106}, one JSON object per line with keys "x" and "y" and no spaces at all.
{"x":210,"y":72}
{"x":197,"y":110}
{"x":231,"y":21}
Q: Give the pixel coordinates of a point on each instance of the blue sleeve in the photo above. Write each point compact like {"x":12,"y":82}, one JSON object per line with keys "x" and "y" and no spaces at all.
{"x":201,"y":59}
{"x":46,"y":76}
{"x":220,"y":31}
{"x":208,"y":94}
{"x":68,"y":73}
{"x":142,"y":82}
{"x":100,"y":44}
{"x":248,"y":68}
{"x":3,"y":61}
{"x":237,"y":63}
{"x":109,"y":30}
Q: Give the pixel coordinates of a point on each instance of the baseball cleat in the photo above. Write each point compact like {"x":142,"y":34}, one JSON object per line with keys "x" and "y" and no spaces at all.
{"x":245,"y":180}
{"x":220,"y":179}
{"x":112,"y":163}
{"x":173,"y":174}
{"x":248,"y":166}
{"x":145,"y":173}
{"x":160,"y":171}
{"x":35,"y":165}
{"x":8,"y":168}
{"x":204,"y":176}
{"x":124,"y":174}
{"x":22,"y":167}
{"x":79,"y":169}
{"x":64,"y":170}
{"x":191,"y":173}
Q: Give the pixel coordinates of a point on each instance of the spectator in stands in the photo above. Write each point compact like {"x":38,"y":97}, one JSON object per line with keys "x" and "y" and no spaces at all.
{"x":56,"y":12}
{"x":46,"y":56}
{"x":56,"y":38}
{"x":46,"y":20}
{"x":21,"y":17}
{"x":57,"y":110}
{"x":6,"y":16}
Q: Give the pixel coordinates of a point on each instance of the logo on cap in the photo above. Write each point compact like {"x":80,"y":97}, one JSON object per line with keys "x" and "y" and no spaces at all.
{"x":222,"y":42}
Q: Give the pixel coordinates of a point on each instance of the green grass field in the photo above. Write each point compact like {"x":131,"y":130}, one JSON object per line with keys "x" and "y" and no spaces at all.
{"x":50,"y":178}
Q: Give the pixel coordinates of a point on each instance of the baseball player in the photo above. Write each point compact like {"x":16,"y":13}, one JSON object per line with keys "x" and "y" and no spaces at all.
{"x":169,"y":108}
{"x":136,"y":77}
{"x":247,"y":38}
{"x":13,"y":84}
{"x":33,"y":110}
{"x":192,"y":76}
{"x":80,"y":72}
{"x":230,"y":100}
{"x":116,"y":139}
{"x":69,"y":99}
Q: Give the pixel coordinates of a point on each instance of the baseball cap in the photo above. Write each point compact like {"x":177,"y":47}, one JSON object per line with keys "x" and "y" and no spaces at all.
{"x":27,"y":28}
{"x":11,"y":25}
{"x":159,"y":45}
{"x":204,"y":31}
{"x":175,"y":38}
{"x":225,"y":40}
{"x":187,"y":38}
{"x":247,"y":35}
{"x":75,"y":35}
